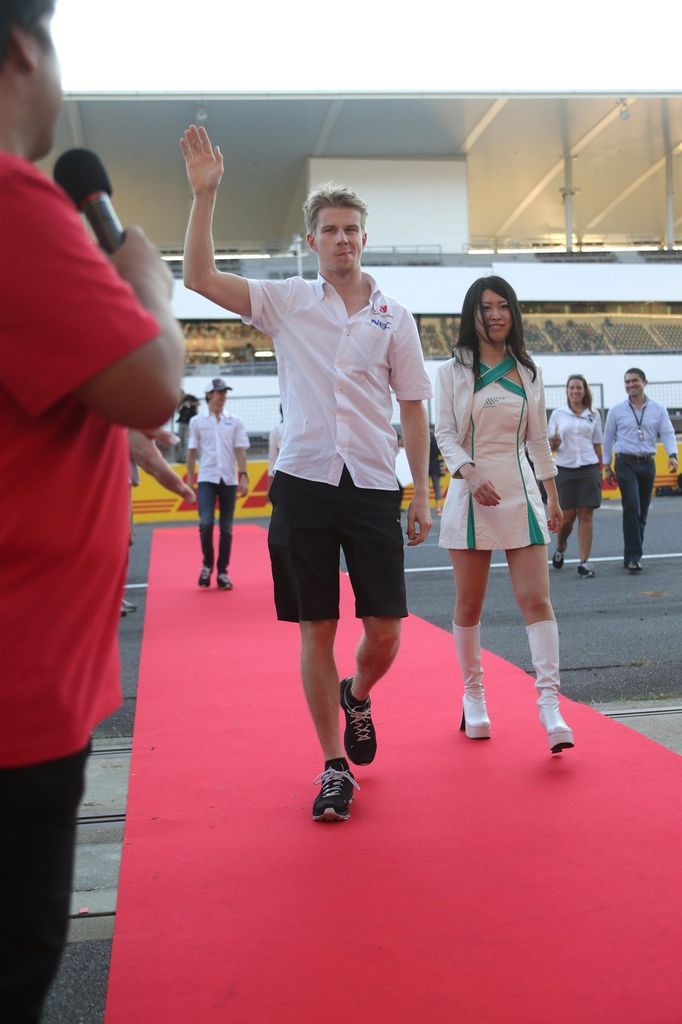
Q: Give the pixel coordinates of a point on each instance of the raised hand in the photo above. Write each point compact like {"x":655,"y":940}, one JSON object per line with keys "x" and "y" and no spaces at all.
{"x":203,"y":162}
{"x":139,"y":263}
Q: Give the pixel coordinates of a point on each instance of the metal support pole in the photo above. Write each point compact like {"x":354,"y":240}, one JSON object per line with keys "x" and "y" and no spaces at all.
{"x":669,"y":179}
{"x":567,"y":193}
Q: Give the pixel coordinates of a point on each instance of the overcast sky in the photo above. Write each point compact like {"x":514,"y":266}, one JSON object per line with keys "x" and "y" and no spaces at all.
{"x":367,"y":45}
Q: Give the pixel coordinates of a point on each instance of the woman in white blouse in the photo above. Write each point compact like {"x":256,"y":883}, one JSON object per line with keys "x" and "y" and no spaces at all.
{"x":575,"y":437}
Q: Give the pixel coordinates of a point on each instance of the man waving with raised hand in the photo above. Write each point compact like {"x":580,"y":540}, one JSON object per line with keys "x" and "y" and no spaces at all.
{"x":341,"y":346}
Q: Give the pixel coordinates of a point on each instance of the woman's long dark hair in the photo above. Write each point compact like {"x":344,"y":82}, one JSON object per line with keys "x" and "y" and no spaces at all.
{"x":468,"y":338}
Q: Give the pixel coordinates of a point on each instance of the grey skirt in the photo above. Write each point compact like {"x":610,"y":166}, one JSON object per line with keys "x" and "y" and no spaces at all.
{"x":579,"y":488}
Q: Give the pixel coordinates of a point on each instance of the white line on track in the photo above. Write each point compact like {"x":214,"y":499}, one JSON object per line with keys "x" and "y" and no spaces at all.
{"x":567,"y":561}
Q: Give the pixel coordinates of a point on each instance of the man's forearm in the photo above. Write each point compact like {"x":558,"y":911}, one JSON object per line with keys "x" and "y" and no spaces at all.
{"x":199,"y":253}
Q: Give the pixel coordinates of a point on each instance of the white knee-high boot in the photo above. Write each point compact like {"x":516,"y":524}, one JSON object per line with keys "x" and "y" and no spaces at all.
{"x":475,"y":721}
{"x":543,"y":638}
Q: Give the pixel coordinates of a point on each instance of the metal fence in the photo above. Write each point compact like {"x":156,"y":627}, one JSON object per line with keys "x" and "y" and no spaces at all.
{"x":667,"y":392}
{"x":555,"y":398}
{"x":260,"y":413}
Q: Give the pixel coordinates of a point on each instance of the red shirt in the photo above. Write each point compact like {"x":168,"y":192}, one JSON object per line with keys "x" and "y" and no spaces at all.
{"x":65,"y":315}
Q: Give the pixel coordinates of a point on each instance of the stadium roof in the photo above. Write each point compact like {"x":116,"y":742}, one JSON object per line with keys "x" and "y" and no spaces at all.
{"x":515,"y":147}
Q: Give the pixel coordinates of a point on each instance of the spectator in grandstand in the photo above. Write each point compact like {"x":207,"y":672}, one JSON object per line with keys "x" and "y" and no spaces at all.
{"x":341,"y":344}
{"x":489,"y":402}
{"x":575,"y":438}
{"x":88,"y":346}
{"x":632,"y":429}
{"x":222,"y":442}
{"x":435,"y":471}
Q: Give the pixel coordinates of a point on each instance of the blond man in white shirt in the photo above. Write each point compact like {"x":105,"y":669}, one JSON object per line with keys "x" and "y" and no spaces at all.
{"x":341,"y":345}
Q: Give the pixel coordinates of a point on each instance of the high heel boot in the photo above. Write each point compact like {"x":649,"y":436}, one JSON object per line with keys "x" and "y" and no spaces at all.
{"x":475,"y":722}
{"x":543,"y":638}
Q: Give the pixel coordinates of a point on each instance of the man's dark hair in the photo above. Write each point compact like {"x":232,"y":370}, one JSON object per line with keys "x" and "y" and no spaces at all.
{"x":472,"y":305}
{"x":25,"y":14}
{"x":640,"y":373}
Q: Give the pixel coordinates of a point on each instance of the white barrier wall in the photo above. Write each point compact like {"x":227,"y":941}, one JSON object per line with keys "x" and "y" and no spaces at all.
{"x":430,"y":195}
{"x":440,"y":290}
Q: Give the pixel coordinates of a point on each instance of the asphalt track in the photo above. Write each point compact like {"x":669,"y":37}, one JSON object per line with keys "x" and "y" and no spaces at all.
{"x":619,"y":641}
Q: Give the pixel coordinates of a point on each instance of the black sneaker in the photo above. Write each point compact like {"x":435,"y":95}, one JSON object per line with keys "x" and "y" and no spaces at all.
{"x":205,"y":576}
{"x":558,"y":559}
{"x":224,"y":582}
{"x":585,"y":571}
{"x":336,"y":795}
{"x":360,"y":738}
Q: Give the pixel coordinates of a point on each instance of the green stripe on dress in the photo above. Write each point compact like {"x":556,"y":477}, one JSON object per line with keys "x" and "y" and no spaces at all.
{"x":490,"y":374}
{"x":535,"y":535}
{"x":471,"y":523}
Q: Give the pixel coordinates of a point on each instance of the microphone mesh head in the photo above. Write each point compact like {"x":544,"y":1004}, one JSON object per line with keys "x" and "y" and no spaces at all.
{"x":80,"y":172}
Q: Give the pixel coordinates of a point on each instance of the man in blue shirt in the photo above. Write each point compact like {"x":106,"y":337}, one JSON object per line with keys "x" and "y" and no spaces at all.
{"x":632,"y":429}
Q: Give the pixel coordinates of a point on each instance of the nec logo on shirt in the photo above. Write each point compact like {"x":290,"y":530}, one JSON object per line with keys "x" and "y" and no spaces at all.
{"x":377,"y":320}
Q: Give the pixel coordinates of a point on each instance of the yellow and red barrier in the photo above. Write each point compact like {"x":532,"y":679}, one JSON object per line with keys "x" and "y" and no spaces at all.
{"x":663,"y":477}
{"x":152,"y":503}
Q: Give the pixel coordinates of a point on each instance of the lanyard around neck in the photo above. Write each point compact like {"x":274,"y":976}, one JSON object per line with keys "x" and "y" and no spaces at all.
{"x":637,"y":421}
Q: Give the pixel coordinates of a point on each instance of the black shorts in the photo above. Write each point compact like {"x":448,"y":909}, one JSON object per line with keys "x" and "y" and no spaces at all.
{"x":579,"y":488}
{"x":311,"y":523}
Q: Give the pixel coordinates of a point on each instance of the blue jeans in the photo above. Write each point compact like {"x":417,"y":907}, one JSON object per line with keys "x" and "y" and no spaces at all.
{"x":636,"y":482}
{"x":226,"y":495}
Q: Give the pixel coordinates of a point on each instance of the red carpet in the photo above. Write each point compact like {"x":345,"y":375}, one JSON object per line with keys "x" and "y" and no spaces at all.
{"x":476,"y":882}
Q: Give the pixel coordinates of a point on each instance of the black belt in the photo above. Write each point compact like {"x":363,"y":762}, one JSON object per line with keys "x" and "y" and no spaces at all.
{"x":637,"y":458}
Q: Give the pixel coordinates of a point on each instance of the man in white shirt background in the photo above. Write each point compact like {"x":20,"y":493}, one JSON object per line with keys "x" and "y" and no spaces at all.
{"x":341,"y":346}
{"x":221,"y":441}
{"x":632,"y":430}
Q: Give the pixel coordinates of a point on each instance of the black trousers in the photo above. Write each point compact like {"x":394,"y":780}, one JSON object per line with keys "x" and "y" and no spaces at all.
{"x":636,"y":476}
{"x":38,"y":805}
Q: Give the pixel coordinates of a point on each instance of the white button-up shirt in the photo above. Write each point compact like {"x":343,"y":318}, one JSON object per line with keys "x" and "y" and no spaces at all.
{"x":335,"y":374}
{"x":579,"y":432}
{"x":216,"y":440}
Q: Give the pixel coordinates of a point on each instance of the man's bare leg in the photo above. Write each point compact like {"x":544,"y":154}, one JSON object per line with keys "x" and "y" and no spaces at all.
{"x":321,"y":683}
{"x":375,"y":654}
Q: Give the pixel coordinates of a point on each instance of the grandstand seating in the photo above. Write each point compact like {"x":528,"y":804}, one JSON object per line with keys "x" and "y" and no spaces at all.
{"x":600,"y":333}
{"x":668,"y":333}
{"x":222,"y":342}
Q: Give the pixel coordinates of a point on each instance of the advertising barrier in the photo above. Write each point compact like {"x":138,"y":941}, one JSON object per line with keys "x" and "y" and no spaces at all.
{"x":152,"y":503}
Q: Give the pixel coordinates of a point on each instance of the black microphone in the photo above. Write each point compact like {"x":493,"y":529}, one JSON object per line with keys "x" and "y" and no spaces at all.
{"x":81,"y":174}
